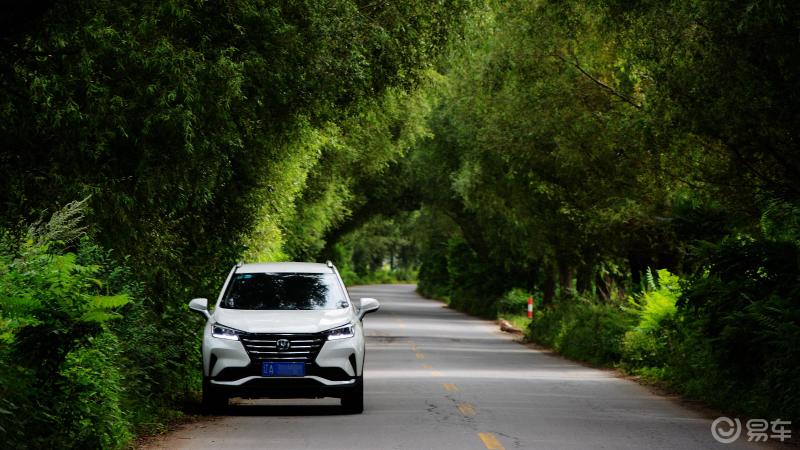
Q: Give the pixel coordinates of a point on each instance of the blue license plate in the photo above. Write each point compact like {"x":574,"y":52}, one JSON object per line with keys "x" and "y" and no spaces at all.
{"x":283,"y":369}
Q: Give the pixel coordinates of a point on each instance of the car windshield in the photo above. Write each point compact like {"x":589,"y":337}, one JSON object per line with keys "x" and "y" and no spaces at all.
{"x":284,"y":291}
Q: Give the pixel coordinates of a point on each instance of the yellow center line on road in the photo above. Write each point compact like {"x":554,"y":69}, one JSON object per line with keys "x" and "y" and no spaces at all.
{"x":427,"y":366}
{"x":466,"y":409}
{"x":490,"y":441}
{"x":450,"y":387}
{"x":436,"y":373}
{"x":420,"y":355}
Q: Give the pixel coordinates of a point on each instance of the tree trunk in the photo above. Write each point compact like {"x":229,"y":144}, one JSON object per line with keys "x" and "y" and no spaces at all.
{"x":549,"y":288}
{"x":584,"y":278}
{"x":565,"y":276}
{"x":603,"y":288}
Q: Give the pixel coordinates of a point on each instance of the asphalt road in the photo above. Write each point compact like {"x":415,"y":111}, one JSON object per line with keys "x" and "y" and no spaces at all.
{"x":439,"y":379}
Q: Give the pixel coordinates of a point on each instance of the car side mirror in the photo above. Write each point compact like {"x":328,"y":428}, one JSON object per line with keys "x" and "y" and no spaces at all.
{"x":368,"y":305}
{"x":200,"y":306}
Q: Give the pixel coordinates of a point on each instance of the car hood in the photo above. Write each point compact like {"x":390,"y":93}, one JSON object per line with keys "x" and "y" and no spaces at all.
{"x":311,"y":321}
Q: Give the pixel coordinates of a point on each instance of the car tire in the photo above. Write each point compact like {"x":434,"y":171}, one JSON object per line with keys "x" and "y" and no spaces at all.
{"x":353,"y":402}
{"x":213,"y":399}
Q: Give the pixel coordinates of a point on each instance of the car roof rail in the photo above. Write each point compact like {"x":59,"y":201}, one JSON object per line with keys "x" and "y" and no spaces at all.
{"x":239,"y":264}
{"x":329,"y":263}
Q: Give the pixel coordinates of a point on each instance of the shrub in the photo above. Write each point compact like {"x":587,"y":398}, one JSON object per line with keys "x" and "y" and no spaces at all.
{"x":747,"y":307}
{"x":381,"y":276}
{"x":645,"y":347}
{"x":514,"y":301}
{"x":89,"y":397}
{"x":58,"y":366}
{"x":729,"y":337}
{"x":583,"y":329}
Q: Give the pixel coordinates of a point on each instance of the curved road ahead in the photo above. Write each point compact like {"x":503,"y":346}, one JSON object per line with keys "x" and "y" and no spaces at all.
{"x":439,"y":379}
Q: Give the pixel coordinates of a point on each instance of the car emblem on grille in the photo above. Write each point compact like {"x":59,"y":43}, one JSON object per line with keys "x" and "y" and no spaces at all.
{"x":283,"y":344}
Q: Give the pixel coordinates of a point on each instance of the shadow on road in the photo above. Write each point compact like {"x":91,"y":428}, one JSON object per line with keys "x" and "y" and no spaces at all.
{"x":250,"y":408}
{"x":283,"y":410}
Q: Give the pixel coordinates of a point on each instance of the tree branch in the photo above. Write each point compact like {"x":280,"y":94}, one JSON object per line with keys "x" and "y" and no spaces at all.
{"x":604,"y":86}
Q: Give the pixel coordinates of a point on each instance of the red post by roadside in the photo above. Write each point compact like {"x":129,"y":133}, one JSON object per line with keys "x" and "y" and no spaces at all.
{"x":530,"y":307}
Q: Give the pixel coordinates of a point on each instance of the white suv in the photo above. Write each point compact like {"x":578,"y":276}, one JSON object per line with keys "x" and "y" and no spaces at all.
{"x":284,"y":330}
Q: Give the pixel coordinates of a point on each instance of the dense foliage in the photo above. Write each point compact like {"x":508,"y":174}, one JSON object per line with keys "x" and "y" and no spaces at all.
{"x":202,"y":133}
{"x":62,"y":363}
{"x":577,"y":145}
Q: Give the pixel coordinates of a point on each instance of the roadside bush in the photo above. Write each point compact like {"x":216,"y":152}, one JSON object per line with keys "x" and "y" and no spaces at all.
{"x":729,"y":337}
{"x":58,"y":366}
{"x":90,"y":387}
{"x":433,"y":279}
{"x":583,"y":329}
{"x":455,"y":272}
{"x":382,"y":276}
{"x":646,"y":346}
{"x":687,"y":364}
{"x":161,"y":364}
{"x":747,"y":305}
{"x":514,"y":302}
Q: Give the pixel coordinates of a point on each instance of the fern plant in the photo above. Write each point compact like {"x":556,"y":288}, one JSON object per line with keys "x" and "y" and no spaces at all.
{"x":646,"y":345}
{"x":56,"y":348}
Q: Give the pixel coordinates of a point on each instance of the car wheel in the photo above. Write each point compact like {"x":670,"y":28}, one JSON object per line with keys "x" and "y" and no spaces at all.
{"x":353,"y":402}
{"x":213,"y":399}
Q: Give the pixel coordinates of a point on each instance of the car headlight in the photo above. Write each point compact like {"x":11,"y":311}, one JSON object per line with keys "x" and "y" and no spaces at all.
{"x":342,"y":332}
{"x":223,"y":332}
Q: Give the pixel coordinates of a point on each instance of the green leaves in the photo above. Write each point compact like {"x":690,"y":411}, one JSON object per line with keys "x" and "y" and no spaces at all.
{"x":657,"y":303}
{"x":57,"y":353}
{"x":103,"y":306}
{"x":110,"y":301}
{"x":39,"y":289}
{"x":569,"y":135}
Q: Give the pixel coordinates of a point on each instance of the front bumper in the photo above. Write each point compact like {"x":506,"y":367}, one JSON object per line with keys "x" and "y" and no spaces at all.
{"x":256,"y":379}
{"x":299,"y":387}
{"x":332,"y":372}
{"x":247,"y":382}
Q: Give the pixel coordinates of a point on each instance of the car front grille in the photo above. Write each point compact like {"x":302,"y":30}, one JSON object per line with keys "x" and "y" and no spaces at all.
{"x":264,"y":347}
